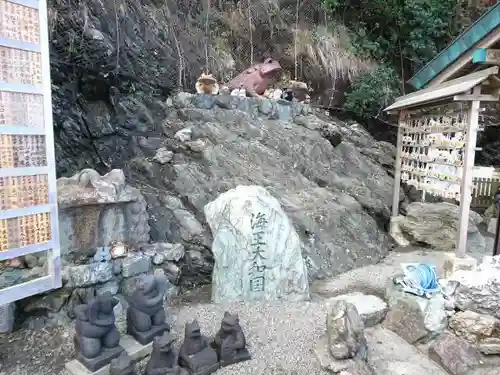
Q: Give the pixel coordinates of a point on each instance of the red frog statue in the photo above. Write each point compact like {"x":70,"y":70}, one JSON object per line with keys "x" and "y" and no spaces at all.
{"x":256,"y":78}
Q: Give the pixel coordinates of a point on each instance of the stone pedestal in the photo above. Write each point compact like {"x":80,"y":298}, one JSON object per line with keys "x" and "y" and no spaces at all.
{"x":105,"y":358}
{"x":452,"y":263}
{"x":145,"y":338}
{"x":396,"y":233}
{"x":135,"y":351}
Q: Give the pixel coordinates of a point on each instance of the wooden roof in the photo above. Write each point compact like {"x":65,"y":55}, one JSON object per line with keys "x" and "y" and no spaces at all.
{"x":443,"y":91}
{"x":447,"y":64}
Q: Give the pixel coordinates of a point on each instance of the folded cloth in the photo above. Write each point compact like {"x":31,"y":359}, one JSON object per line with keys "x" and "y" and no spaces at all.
{"x":419,"y":279}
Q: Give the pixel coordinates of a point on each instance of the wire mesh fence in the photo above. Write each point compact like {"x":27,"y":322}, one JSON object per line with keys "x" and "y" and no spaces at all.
{"x":168,"y":44}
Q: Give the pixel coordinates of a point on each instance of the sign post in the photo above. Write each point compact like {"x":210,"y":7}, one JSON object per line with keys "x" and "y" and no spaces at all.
{"x":28,"y":199}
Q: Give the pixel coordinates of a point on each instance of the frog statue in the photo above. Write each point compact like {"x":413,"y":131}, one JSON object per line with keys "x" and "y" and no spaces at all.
{"x":207,"y":84}
{"x":97,"y":338}
{"x":256,"y":78}
{"x":164,"y":358}
{"x":146,"y":313}
{"x":195,"y":354}
{"x":230,"y":342}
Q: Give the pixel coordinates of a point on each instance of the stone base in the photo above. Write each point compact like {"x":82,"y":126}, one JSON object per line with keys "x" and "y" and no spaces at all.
{"x":135,"y":351}
{"x":397,"y":234}
{"x":100,"y":361}
{"x":202,"y":363}
{"x":451,"y":263}
{"x":242,"y":356}
{"x":204,"y":371}
{"x":145,"y":338}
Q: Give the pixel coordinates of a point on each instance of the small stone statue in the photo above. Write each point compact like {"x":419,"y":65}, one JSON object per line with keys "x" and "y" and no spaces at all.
{"x":97,"y":339}
{"x":195,"y":354}
{"x":146,"y":313}
{"x":207,"y":84}
{"x":345,"y":332}
{"x":343,"y":348}
{"x":164,"y":358}
{"x":122,"y":365}
{"x":229,"y":342}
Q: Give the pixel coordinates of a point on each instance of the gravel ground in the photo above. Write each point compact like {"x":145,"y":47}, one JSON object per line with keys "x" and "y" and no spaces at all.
{"x":281,"y":335}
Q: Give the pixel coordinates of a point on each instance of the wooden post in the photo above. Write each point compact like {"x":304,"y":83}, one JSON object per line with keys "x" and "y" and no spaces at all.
{"x":496,"y":246}
{"x":397,"y":169}
{"x":466,"y":186}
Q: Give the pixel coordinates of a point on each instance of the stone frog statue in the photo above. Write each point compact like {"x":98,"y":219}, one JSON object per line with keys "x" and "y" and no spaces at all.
{"x":96,"y":331}
{"x":256,"y":78}
{"x":230,"y":342}
{"x":207,"y":84}
{"x":164,"y":359}
{"x":146,"y":313}
{"x":195,"y":353}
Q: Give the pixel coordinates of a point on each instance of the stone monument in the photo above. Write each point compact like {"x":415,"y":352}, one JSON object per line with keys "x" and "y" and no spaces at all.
{"x":196,"y":355}
{"x":344,"y":348}
{"x":229,"y":342}
{"x":164,"y":358}
{"x":146,"y":312}
{"x":97,"y":338}
{"x":122,"y":365}
{"x":257,"y":251}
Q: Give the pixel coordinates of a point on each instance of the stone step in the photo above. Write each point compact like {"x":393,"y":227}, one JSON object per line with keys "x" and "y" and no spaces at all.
{"x":389,"y":354}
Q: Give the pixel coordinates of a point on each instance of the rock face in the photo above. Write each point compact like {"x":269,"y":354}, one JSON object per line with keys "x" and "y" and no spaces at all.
{"x":435,"y":224}
{"x":335,"y":196}
{"x":256,"y":249}
{"x":344,"y":348}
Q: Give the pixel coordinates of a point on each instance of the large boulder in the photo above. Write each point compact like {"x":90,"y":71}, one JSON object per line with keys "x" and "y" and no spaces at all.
{"x":479,"y":289}
{"x":436,"y":224}
{"x":456,"y":355}
{"x":412,"y":317}
{"x":257,"y":251}
{"x":476,"y":328}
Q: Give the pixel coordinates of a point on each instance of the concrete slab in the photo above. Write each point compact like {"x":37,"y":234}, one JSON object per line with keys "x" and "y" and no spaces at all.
{"x":389,"y":354}
{"x":135,"y":350}
{"x":492,"y":226}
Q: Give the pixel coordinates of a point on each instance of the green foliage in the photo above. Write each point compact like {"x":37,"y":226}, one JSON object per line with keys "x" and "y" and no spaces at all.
{"x":411,"y":31}
{"x":403,"y":34}
{"x":372,"y":91}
